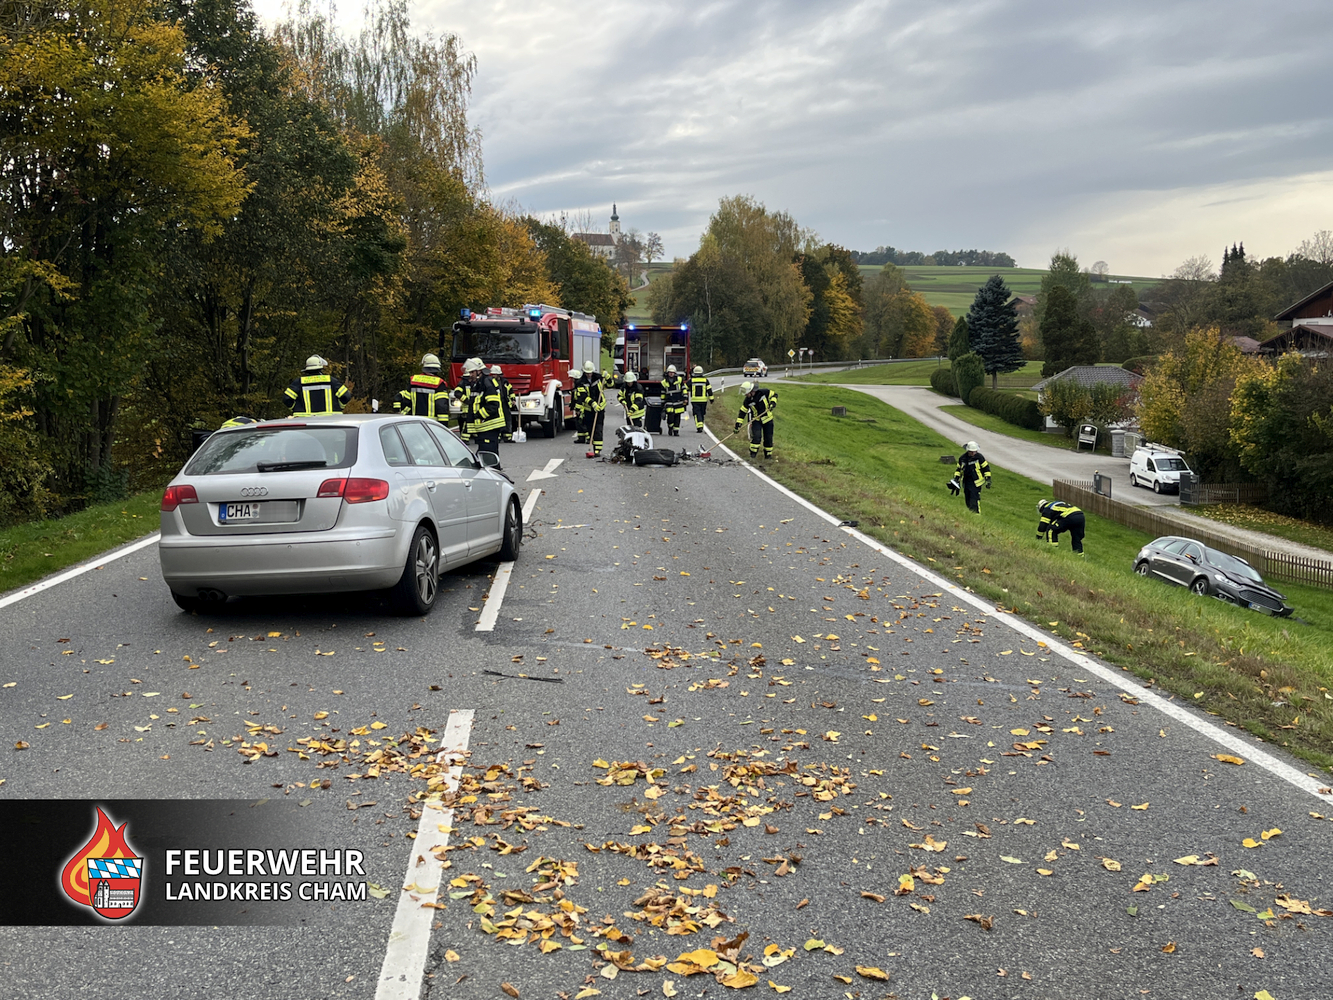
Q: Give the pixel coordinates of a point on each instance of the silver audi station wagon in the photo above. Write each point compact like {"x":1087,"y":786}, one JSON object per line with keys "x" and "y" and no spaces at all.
{"x":344,"y":502}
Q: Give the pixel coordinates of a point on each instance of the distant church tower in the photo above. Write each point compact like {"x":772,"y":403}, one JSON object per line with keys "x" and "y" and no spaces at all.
{"x":615,"y":221}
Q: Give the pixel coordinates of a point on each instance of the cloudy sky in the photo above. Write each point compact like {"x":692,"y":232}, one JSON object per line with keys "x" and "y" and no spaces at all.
{"x":1139,"y":133}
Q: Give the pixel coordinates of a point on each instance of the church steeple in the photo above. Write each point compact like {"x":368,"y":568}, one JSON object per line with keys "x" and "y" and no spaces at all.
{"x":615,"y":221}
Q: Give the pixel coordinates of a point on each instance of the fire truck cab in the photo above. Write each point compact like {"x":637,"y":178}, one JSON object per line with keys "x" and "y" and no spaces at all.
{"x":535,"y":347}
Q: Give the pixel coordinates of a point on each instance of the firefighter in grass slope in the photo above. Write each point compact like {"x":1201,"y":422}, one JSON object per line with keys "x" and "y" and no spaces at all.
{"x":483,"y":406}
{"x":1056,"y":516}
{"x":757,"y":407}
{"x":596,"y":412}
{"x":312,"y":392}
{"x":426,"y":394}
{"x":972,"y":473}
{"x":673,"y":399}
{"x":632,"y":399}
{"x":701,"y":394}
{"x":510,"y":402}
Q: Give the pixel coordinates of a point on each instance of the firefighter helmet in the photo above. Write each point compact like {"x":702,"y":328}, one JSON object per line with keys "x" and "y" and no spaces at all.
{"x":315,"y":361}
{"x":971,"y":446}
{"x":698,"y":369}
{"x":240,"y":421}
{"x":746,"y":387}
{"x":631,"y":377}
{"x":495,"y":370}
{"x":472,"y":365}
{"x":589,"y":367}
{"x":430,"y":361}
{"x":1041,"y":506}
{"x":671,"y":369}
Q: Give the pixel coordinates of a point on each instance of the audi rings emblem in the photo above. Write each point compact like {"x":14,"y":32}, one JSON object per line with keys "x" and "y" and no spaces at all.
{"x":255,"y":491}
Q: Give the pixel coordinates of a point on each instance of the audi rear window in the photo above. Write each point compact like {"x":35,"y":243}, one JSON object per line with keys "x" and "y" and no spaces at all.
{"x":274,"y":449}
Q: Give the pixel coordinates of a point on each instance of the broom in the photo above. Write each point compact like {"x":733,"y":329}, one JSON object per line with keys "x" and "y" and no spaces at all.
{"x":709,"y":453}
{"x":593,"y":433}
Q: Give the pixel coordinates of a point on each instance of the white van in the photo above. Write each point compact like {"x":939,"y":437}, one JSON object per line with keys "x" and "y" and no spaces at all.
{"x":1157,"y":468}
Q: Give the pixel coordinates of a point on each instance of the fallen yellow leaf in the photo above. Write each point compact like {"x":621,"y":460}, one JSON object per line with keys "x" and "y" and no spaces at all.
{"x":872,"y":972}
{"x":779,"y":989}
{"x":1226,"y":758}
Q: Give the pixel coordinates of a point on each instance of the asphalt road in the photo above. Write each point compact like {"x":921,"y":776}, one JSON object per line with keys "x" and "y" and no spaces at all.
{"x":870,"y":723}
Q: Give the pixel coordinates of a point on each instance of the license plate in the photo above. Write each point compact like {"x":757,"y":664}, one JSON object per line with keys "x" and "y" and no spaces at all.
{"x":239,"y":511}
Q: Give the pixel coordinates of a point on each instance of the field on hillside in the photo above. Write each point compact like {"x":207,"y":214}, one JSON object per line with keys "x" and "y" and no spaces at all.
{"x":918,"y":373}
{"x":882,"y":468}
{"x":956,"y":287}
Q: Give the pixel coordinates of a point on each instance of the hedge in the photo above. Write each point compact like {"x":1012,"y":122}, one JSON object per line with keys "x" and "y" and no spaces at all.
{"x":968,"y":373}
{"x":1008,"y":406}
{"x":941,"y":380}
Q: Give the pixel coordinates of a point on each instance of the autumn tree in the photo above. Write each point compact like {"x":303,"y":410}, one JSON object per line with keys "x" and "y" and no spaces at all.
{"x":834,"y":281}
{"x":899,"y":322}
{"x":1068,"y":337}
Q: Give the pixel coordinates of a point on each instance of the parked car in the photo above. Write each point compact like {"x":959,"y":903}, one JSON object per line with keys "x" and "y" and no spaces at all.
{"x":1209,"y":572}
{"x":343,"y":502}
{"x":756,"y":368}
{"x":1159,"y":470}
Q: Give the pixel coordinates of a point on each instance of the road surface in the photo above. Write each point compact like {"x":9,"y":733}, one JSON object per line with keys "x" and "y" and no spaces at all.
{"x":859,"y":765}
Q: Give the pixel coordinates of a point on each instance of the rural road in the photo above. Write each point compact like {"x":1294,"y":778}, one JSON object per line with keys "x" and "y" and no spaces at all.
{"x":859,"y":765}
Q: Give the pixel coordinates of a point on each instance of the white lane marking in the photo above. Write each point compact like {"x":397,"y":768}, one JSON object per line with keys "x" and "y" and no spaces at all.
{"x":547,"y":473}
{"x":70,"y":574}
{"x":409,"y":939}
{"x":1236,"y":744}
{"x":490,"y":611}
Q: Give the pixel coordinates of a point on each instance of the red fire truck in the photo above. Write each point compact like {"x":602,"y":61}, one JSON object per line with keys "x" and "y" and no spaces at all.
{"x":648,"y":351}
{"x":535,"y":347}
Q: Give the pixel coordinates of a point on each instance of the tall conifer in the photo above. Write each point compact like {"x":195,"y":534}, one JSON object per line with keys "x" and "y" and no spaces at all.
{"x":993,"y":325}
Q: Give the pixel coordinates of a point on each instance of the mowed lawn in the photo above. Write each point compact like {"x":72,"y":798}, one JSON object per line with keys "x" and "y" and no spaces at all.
{"x":882,"y":468}
{"x":29,"y":552}
{"x":911,"y":373}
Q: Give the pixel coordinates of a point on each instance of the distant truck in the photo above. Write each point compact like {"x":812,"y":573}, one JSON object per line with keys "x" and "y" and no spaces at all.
{"x":535,"y":347}
{"x":648,"y":352}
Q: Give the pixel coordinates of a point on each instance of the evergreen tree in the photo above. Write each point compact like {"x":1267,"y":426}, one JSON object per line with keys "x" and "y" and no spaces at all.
{"x":1068,"y":337}
{"x":993,"y":325}
{"x":960,"y":341}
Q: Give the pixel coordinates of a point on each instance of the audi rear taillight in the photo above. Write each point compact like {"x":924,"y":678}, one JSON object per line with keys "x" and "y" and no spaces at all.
{"x":177,"y":495}
{"x":355,"y":490}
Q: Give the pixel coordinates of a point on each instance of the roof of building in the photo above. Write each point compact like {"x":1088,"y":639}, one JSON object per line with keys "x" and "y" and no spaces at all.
{"x":1298,"y":338}
{"x":595,"y":239}
{"x":1027,"y":300}
{"x":1247,"y":345}
{"x":1089,"y":375}
{"x":1317,"y":293}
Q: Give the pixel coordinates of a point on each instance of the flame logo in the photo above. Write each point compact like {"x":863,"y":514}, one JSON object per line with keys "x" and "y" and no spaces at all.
{"x":107,"y":841}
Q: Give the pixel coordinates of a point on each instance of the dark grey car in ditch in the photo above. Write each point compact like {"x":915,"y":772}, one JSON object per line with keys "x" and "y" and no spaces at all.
{"x":342,"y":502}
{"x":1209,"y":573}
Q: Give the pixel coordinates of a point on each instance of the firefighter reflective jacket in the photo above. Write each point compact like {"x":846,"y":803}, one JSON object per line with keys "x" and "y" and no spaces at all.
{"x":632,"y":398}
{"x":673,"y":393}
{"x":701,"y":390}
{"x":972,"y":470}
{"x":758,"y":405}
{"x":581,"y":392}
{"x":485,"y":405}
{"x":310,"y":395}
{"x":1053,"y":514}
{"x":426,"y":395}
{"x":596,"y":397}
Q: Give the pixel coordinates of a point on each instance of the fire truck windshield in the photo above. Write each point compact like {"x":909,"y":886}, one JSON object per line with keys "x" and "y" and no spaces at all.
{"x":492,"y":344}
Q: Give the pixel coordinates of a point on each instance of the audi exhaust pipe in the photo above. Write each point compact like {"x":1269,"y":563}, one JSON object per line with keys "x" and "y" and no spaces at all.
{"x":212,"y":596}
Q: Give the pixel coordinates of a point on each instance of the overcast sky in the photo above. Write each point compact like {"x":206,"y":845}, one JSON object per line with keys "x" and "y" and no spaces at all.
{"x":1139,"y":133}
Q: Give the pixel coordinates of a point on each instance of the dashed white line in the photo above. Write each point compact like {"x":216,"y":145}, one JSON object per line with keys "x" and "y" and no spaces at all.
{"x":1256,"y":755}
{"x":490,"y":611}
{"x":70,"y":574}
{"x":409,"y":939}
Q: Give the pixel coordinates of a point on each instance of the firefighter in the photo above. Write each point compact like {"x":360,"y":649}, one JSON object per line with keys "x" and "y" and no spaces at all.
{"x":485,"y":406}
{"x":632,"y":399}
{"x":701,"y":394}
{"x":312,"y":392}
{"x":580,"y":401}
{"x":238,"y":422}
{"x":1055,"y":516}
{"x":596,"y":389}
{"x":757,"y":407}
{"x":673,"y":399}
{"x":510,"y":402}
{"x":972,"y":473}
{"x":426,"y":394}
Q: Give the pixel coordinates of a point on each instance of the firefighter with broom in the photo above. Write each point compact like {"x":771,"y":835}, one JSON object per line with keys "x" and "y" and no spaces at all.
{"x":595,"y":401}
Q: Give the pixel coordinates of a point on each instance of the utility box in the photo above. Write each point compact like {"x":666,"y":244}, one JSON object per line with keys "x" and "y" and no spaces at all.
{"x":1118,"y":444}
{"x":840,"y":411}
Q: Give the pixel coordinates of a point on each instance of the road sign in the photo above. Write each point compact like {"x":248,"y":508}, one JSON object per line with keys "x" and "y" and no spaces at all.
{"x":791,"y":354}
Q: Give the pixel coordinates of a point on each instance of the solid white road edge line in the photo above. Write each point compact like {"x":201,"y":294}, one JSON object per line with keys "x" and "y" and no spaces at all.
{"x":490,"y":611}
{"x":409,"y":940}
{"x":1255,"y":755}
{"x":70,"y":574}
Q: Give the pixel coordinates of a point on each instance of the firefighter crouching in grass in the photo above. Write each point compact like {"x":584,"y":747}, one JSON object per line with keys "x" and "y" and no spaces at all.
{"x":426,"y":394}
{"x":972,"y":473}
{"x":701,"y":394}
{"x":757,"y":406}
{"x":1056,"y":516}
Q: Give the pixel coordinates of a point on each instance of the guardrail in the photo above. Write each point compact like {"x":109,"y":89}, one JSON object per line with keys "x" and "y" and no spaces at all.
{"x":1155,"y":521}
{"x":827,"y":365}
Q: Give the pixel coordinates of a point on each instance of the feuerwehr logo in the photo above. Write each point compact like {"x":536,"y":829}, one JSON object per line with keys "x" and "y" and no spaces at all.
{"x":105,"y":875}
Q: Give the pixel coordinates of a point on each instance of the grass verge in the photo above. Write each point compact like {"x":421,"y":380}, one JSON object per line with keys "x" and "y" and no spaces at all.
{"x":905,"y":373}
{"x":29,"y":552}
{"x":1258,"y":519}
{"x":1270,"y":676}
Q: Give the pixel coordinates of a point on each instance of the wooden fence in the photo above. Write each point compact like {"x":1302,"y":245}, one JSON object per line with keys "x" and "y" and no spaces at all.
{"x":1158,"y":521}
{"x":1194,"y":494}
